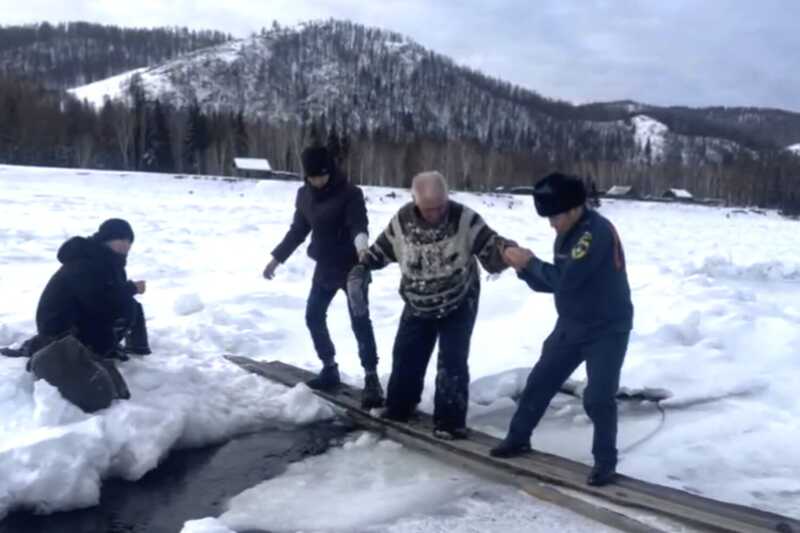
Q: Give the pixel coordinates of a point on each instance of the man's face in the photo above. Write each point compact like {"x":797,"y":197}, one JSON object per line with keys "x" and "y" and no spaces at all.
{"x":563,"y":222}
{"x":432,"y":209}
{"x":120,"y":246}
{"x":318,"y":182}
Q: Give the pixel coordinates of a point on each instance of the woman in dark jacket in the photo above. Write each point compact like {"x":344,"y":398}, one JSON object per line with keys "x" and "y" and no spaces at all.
{"x":333,"y":211}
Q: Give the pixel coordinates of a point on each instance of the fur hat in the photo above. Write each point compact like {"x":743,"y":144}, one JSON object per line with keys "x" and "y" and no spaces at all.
{"x":557,"y":193}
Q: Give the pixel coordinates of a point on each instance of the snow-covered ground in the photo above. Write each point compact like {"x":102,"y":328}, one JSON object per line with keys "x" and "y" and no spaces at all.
{"x":717,"y":318}
{"x":380,"y":487}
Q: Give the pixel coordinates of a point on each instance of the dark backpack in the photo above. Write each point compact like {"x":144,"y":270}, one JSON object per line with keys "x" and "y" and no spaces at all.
{"x":79,"y":375}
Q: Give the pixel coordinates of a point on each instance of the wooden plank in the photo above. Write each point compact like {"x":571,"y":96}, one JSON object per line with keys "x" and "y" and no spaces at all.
{"x":531,"y":486}
{"x":700,"y":511}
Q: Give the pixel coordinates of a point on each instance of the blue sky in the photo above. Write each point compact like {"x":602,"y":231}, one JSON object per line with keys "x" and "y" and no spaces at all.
{"x":669,"y":52}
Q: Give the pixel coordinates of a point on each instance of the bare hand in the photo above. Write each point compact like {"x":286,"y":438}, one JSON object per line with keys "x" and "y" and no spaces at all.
{"x":141,"y":286}
{"x":517,"y":257}
{"x":269,"y":270}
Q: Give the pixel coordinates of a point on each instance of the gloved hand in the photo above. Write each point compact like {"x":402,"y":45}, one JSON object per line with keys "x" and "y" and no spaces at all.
{"x":269,"y":270}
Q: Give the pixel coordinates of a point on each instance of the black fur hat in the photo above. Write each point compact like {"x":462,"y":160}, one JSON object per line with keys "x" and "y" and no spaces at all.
{"x":557,"y":193}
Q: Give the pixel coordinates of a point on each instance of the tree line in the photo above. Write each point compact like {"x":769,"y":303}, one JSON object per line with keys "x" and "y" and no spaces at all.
{"x":49,"y":128}
{"x":71,"y":54}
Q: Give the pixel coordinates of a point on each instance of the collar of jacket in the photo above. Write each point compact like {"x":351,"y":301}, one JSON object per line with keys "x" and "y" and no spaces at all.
{"x":567,"y":237}
{"x":334,"y":185}
{"x":421,"y":222}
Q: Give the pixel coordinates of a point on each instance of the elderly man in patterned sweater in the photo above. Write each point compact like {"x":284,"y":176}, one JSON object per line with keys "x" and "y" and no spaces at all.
{"x":436,"y":242}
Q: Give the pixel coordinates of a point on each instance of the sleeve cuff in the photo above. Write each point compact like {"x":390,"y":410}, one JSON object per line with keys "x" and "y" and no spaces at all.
{"x":361,"y":242}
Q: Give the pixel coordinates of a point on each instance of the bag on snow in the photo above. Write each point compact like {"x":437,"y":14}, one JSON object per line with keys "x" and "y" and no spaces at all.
{"x":79,"y":375}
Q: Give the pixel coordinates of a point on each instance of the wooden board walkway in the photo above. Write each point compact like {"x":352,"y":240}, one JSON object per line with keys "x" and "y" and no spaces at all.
{"x":549,"y":477}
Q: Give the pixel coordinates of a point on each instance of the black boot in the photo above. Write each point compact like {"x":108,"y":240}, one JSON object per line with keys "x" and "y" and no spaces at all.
{"x":28,"y":348}
{"x":118,"y":353}
{"x":327,"y":380}
{"x":136,"y":349}
{"x":442,"y":433}
{"x":14,"y":352}
{"x":510,"y":448}
{"x":372,"y":395}
{"x":601,"y":474}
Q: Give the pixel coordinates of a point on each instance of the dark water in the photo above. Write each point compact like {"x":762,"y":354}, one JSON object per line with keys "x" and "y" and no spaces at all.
{"x":189,"y":484}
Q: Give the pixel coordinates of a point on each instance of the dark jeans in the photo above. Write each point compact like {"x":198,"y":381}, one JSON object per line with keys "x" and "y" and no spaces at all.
{"x":316,"y":319}
{"x":603,"y":356}
{"x":132,"y":328}
{"x":413,"y":347}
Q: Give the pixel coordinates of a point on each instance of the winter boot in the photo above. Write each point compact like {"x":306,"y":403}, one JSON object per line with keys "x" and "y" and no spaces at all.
{"x":327,"y":380}
{"x":117,"y":353}
{"x":510,"y":448}
{"x":451,"y":433}
{"x":601,"y":474}
{"x":28,"y":348}
{"x":372,"y":395}
{"x":14,"y":352}
{"x":135,"y":349}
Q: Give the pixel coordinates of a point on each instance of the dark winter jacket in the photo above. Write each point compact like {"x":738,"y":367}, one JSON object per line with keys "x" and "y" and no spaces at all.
{"x":588,"y":279}
{"x":86,"y":295}
{"x":334,"y":215}
{"x":438,"y":262}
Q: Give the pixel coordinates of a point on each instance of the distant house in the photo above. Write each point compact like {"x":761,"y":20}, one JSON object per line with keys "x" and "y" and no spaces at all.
{"x":678,"y":194}
{"x":249,"y":167}
{"x":517,"y":189}
{"x":622,"y":191}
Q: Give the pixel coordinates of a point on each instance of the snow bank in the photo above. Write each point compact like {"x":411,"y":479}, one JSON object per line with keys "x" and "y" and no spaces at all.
{"x":53,"y":456}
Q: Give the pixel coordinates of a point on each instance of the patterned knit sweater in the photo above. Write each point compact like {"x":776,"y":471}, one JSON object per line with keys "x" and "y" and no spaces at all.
{"x":438,"y":262}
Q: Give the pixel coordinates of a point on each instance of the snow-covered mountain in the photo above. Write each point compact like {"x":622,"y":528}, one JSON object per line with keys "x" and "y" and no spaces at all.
{"x":382,"y":83}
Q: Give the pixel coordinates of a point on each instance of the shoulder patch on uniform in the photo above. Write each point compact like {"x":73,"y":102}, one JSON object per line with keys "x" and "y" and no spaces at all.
{"x":581,"y":248}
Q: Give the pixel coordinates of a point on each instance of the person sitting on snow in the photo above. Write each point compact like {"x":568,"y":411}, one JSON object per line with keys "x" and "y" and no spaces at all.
{"x":91,"y":298}
{"x":334,"y":211}
{"x":436,"y":242}
{"x":85,"y":311}
{"x":595,"y":317}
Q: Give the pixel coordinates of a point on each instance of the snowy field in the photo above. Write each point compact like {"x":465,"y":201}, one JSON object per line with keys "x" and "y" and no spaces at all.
{"x":717,"y":297}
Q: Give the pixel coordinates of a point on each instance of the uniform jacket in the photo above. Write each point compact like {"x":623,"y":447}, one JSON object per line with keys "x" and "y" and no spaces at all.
{"x":588,"y":278}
